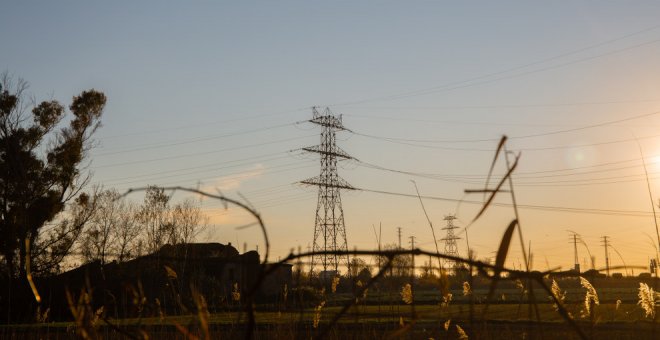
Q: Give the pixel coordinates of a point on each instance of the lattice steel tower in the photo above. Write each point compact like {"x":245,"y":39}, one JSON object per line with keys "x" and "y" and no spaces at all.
{"x":451,"y":248}
{"x":329,"y":228}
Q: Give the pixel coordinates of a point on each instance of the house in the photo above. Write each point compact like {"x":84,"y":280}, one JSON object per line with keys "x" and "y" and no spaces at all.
{"x":166,"y":282}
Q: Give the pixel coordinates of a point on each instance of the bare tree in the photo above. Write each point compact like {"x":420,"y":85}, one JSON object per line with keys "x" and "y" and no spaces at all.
{"x":153,"y":216}
{"x":187,"y":221}
{"x":163,"y":223}
{"x":357,"y":265}
{"x":127,"y":243}
{"x":112,"y":233}
{"x":98,"y":235}
{"x":400,"y":264}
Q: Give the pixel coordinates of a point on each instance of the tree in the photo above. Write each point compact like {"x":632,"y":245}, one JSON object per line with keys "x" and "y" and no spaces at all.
{"x":39,"y":165}
{"x":187,"y":222}
{"x":166,"y":224}
{"x":356,"y":266}
{"x":121,"y":230}
{"x":127,"y":243}
{"x":99,"y":232}
{"x":401,"y":264}
{"x":53,"y":245}
{"x":153,"y":216}
{"x":111,"y":232}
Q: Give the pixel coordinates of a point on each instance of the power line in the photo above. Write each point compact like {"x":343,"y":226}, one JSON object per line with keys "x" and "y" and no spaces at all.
{"x":546,"y":148}
{"x":243,"y":160}
{"x":205,"y":124}
{"x":521,"y":74}
{"x":272,"y":201}
{"x":543,"y":134}
{"x":231,"y":176}
{"x":524,"y":180}
{"x":583,"y":167}
{"x":266,"y":196}
{"x":202,"y":153}
{"x":632,"y":213}
{"x":228,"y":176}
{"x":190,"y":141}
{"x":472,"y":81}
{"x":492,"y":106}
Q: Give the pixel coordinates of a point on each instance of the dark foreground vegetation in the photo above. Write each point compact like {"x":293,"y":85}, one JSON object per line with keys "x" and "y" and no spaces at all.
{"x":294,"y":305}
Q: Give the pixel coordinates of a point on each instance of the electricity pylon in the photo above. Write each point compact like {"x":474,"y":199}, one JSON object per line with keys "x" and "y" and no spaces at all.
{"x":451,"y":247}
{"x":329,"y":228}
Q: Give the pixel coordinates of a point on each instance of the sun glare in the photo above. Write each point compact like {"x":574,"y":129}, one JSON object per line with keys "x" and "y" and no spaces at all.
{"x":654,"y":162}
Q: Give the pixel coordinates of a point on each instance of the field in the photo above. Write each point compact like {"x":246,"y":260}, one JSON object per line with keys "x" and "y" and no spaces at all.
{"x":384,"y":315}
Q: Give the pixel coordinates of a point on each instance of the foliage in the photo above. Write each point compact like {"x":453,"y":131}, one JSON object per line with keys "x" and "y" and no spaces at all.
{"x":40,"y":170}
{"x":54,"y":245}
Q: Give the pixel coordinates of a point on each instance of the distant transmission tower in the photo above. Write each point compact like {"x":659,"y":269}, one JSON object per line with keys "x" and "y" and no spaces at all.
{"x":451,"y":248}
{"x":329,"y":228}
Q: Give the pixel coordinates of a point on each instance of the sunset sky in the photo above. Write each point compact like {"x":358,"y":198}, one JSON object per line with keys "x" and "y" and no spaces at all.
{"x":215,"y":95}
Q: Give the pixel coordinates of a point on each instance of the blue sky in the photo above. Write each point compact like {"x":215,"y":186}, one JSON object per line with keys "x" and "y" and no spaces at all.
{"x":213,"y":94}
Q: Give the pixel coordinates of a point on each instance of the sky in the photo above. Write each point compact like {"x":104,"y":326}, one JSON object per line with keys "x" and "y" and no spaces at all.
{"x":217,"y":95}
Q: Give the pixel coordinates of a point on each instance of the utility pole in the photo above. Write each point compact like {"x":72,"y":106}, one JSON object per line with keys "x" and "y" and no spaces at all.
{"x":329,"y":228}
{"x":412,"y":274}
{"x":398,"y":230}
{"x":412,"y":248}
{"x":576,"y":261}
{"x":607,"y":256}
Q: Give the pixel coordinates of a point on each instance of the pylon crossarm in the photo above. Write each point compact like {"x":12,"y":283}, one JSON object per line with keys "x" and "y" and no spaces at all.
{"x":336,"y":152}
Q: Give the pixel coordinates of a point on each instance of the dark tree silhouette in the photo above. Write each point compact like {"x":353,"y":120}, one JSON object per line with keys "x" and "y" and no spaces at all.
{"x":39,"y":164}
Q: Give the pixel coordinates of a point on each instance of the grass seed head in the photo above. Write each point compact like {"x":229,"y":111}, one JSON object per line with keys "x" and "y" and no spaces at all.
{"x":285,"y":291}
{"x":317,"y":314}
{"x":406,"y":294}
{"x":467,"y":290}
{"x":235,"y":293}
{"x":461,"y":333}
{"x":520,"y":285}
{"x":335,"y":282}
{"x":558,"y":294}
{"x":590,"y":297}
{"x":647,"y":300}
{"x":446,"y":299}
